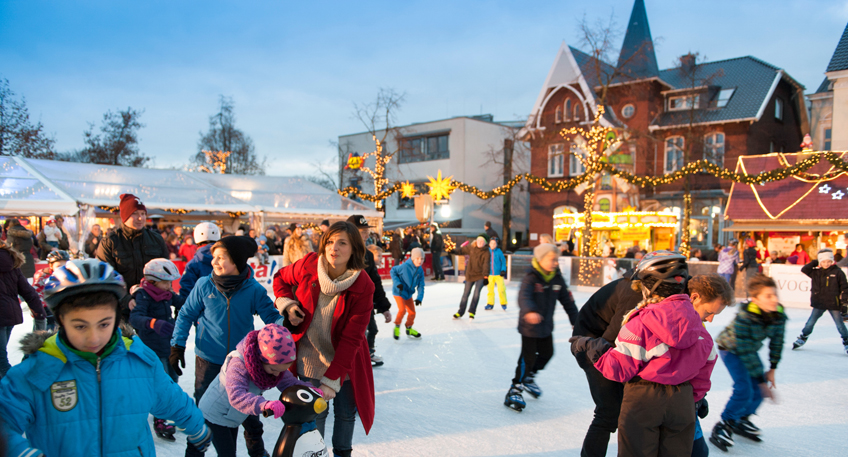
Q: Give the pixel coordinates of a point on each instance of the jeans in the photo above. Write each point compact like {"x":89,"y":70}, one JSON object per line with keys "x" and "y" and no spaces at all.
{"x":478,"y":286}
{"x":169,"y":369}
{"x":727,"y":277}
{"x":607,"y":396}
{"x":746,"y":397}
{"x":204,"y":373}
{"x":437,"y":266}
{"x":344,"y":417}
{"x":837,"y":319}
{"x":224,"y":439}
{"x":5,"y":334}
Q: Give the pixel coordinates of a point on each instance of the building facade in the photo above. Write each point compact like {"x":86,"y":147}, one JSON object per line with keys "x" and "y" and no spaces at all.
{"x":829,"y":104}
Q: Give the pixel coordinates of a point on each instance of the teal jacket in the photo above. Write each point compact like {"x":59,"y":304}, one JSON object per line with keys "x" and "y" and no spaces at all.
{"x":67,"y":407}
{"x":411,"y":277}
{"x":745,"y":335}
{"x":497,"y":262}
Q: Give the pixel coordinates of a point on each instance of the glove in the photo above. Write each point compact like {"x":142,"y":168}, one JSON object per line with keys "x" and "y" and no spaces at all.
{"x":702,"y":408}
{"x":417,"y":302}
{"x":400,"y":287}
{"x":275,"y":406}
{"x":486,"y":282}
{"x":162,"y":328}
{"x":503,"y":274}
{"x":201,"y":440}
{"x":176,"y":358}
{"x":593,"y":347}
{"x":320,"y":392}
{"x":40,"y":324}
{"x":578,"y":343}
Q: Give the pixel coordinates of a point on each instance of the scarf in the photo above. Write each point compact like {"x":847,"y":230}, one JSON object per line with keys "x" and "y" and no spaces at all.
{"x":155,"y":292}
{"x":253,"y":364}
{"x":90,"y":356}
{"x":227,"y":285}
{"x":546,"y":275}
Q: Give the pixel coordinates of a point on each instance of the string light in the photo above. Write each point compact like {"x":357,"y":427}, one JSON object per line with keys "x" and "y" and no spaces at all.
{"x":450,"y":245}
{"x":216,"y":161}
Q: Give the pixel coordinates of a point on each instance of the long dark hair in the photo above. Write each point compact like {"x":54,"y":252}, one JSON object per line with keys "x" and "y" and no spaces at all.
{"x":357,"y":257}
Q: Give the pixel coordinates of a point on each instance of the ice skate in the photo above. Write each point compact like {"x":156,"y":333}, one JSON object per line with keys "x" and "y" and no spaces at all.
{"x":722,"y":437}
{"x":457,"y":316}
{"x":531,"y":387}
{"x":748,"y":425}
{"x":412,"y":333}
{"x":376,"y":360}
{"x":163,"y":430}
{"x":504,"y":307}
{"x":490,"y":307}
{"x":514,"y":400}
{"x":745,"y":428}
{"x":845,"y":345}
{"x":799,"y":342}
{"x":397,"y":332}
{"x":471,"y":315}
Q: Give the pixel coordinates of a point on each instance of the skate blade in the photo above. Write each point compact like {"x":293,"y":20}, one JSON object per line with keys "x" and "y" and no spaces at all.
{"x":166,"y":437}
{"x":516,"y":408}
{"x":377,"y":364}
{"x":723,"y":447}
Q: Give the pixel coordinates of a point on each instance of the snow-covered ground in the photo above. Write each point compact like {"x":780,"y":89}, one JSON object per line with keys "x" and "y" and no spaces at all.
{"x":443,"y":395}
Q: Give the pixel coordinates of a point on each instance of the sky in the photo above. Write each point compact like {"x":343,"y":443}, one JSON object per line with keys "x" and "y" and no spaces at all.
{"x":295,"y":69}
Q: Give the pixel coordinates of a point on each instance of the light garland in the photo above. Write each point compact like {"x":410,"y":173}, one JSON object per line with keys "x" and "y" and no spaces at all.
{"x":450,"y":245}
{"x":685,"y":235}
{"x":216,"y":161}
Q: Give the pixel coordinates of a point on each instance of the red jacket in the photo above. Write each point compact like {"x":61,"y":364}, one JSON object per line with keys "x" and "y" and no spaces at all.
{"x":350,"y":319}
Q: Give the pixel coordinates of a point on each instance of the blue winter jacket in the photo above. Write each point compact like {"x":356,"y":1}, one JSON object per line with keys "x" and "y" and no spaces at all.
{"x":411,"y":277}
{"x":497,"y":262}
{"x":222,"y":322}
{"x":147,"y":309}
{"x":196,"y":268}
{"x":67,"y":407}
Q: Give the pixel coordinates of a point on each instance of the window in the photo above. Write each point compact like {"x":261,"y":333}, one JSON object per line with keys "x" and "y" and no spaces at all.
{"x":778,"y":109}
{"x":558,"y":117}
{"x":771,"y":147}
{"x":827,"y":134}
{"x":673,"y":154}
{"x":628,"y":111}
{"x":606,"y":181}
{"x":724,"y":97}
{"x":424,"y":148}
{"x":421,"y":188}
{"x":714,"y":148}
{"x":683,"y":102}
{"x":575,"y":166}
{"x":576,"y":116}
{"x":604,"y":204}
{"x":556,"y":160}
{"x":567,"y":109}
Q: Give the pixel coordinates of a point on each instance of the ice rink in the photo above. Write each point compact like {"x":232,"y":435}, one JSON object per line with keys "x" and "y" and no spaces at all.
{"x":443,"y":395}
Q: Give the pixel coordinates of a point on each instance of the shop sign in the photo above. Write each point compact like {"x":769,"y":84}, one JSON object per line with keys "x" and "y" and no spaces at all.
{"x":635,"y":234}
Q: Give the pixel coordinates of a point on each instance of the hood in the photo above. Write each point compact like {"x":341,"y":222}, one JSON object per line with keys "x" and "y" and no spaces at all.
{"x":19,"y":231}
{"x":32,"y":342}
{"x":204,"y":254}
{"x":7,"y":263}
{"x":674,"y":321}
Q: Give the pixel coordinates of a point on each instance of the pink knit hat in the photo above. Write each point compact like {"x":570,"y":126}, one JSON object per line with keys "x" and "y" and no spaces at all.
{"x":276,"y":345}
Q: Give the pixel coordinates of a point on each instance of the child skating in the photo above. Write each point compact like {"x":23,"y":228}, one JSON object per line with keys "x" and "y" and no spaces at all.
{"x":88,"y":390}
{"x":541,"y":288}
{"x":759,"y":318}
{"x":828,"y":293}
{"x":497,"y":273}
{"x":260,"y":362}
{"x":153,"y":320}
{"x":55,"y":260}
{"x":406,"y":279}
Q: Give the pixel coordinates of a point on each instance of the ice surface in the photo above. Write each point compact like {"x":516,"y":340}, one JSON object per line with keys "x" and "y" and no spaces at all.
{"x":443,"y":395}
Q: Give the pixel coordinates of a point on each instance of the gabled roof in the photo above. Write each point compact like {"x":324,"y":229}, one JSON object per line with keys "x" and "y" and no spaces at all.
{"x":637,"y":59}
{"x":839,"y":61}
{"x":754,"y":82}
{"x":824,"y":87}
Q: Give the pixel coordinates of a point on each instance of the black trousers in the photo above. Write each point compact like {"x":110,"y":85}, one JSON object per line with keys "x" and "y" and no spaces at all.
{"x":224,"y":439}
{"x":371,"y":333}
{"x":437,"y":265}
{"x":656,"y":420}
{"x":204,"y":373}
{"x":535,"y":354}
{"x":607,"y":396}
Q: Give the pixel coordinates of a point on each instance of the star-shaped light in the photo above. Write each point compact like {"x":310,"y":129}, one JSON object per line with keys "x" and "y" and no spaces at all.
{"x":824,"y":189}
{"x":407,"y":190}
{"x":838,"y":195}
{"x":440,"y":189}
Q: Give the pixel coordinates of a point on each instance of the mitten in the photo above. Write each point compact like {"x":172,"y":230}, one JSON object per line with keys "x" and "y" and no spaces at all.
{"x":176,"y":358}
{"x":202,"y":439}
{"x":162,"y":328}
{"x":486,"y":281}
{"x":400,"y":287}
{"x":276,"y":406}
{"x":503,"y":273}
{"x":702,"y":407}
{"x":417,"y":302}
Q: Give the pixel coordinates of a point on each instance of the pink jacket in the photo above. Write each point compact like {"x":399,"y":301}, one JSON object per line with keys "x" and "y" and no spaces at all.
{"x":664,"y":343}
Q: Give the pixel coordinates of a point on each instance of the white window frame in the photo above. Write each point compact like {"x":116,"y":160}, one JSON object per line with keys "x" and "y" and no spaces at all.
{"x":567,"y":109}
{"x":724,"y":96}
{"x":668,"y":165}
{"x":710,"y":148}
{"x":778,"y":108}
{"x":556,"y":160}
{"x":575,"y":166}
{"x":624,"y":110}
{"x":687,"y":101}
{"x":558,"y":115}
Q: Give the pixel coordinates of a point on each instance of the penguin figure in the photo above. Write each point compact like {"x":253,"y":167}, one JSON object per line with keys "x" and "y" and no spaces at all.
{"x":300,"y":436}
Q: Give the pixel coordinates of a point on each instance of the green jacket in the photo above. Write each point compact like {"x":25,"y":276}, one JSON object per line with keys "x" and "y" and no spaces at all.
{"x":745,"y":335}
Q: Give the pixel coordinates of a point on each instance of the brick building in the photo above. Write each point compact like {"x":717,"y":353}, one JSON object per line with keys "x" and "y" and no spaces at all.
{"x":697,"y":110}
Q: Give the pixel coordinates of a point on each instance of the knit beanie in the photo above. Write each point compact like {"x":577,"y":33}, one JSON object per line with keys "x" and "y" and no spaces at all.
{"x":240,"y":248}
{"x":130,"y":204}
{"x":484,"y":236}
{"x":276,"y":345}
{"x":540,"y":251}
{"x":825,"y":254}
{"x":416,"y":252}
{"x":750,"y":242}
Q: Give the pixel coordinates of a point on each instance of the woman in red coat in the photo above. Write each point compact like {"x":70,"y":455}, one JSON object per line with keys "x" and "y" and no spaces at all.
{"x":327,"y":313}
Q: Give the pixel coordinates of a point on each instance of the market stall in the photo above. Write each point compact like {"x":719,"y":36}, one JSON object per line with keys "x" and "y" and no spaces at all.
{"x":649,"y":230}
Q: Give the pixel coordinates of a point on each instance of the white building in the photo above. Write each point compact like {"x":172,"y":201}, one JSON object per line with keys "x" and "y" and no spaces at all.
{"x":469,"y":148}
{"x":829,"y":104}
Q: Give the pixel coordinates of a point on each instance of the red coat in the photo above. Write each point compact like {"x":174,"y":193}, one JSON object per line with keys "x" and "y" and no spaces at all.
{"x":350,"y":319}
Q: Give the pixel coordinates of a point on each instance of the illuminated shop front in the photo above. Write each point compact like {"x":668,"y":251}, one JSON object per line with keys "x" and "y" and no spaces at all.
{"x":649,"y":230}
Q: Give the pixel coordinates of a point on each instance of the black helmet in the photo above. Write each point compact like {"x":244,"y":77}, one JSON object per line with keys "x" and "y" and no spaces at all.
{"x":56,"y":256}
{"x":660,"y":267}
{"x":82,"y":276}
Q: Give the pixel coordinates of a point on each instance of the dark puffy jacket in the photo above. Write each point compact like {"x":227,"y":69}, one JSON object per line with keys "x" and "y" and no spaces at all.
{"x":147,"y":309}
{"x":538,"y":296}
{"x":196,"y":268}
{"x":381,"y":302}
{"x":829,"y":287}
{"x":12,"y":284}
{"x":749,"y":259}
{"x":602,"y":314}
{"x":437,"y":243}
{"x":478,"y":261}
{"x":20,"y":239}
{"x":128,"y":250}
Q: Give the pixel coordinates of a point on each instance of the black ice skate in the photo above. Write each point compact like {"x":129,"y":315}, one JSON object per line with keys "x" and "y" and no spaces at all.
{"x":799,"y":342}
{"x":743,"y":427}
{"x":845,"y":345}
{"x":722,"y":436}
{"x":163,"y":430}
{"x":531,"y":387}
{"x":514,"y":400}
{"x":376,"y":360}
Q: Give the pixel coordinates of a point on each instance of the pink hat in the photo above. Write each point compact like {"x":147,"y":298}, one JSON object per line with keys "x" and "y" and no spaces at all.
{"x":276,"y":345}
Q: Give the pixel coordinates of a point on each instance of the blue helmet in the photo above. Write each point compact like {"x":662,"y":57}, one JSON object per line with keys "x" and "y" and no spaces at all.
{"x":82,"y":276}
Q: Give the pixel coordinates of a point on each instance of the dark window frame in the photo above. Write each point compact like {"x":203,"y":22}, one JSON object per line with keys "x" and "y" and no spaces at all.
{"x":422,"y":151}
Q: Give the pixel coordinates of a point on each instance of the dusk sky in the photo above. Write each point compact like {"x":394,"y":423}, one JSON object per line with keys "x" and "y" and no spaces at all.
{"x":294,"y":70}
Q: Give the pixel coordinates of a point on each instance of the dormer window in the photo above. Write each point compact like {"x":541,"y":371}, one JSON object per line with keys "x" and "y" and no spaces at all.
{"x":724,"y":97}
{"x":683,"y":102}
{"x":567,"y":109}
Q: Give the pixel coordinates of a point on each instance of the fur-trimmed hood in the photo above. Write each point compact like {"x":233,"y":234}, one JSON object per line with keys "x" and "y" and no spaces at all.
{"x":32,"y":342}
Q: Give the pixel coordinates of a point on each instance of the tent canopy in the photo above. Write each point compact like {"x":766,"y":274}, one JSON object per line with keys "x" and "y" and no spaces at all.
{"x":24,"y":193}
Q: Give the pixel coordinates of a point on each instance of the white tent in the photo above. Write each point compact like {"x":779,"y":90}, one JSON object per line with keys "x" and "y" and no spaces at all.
{"x":25,"y":192}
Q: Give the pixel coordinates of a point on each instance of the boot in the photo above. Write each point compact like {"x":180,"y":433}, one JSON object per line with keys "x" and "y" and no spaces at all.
{"x":531,"y":387}
{"x":376,"y":360}
{"x":161,"y":430}
{"x":412,"y":333}
{"x":800,"y":341}
{"x":845,"y":345}
{"x":490,"y":307}
{"x":722,"y":436}
{"x":745,"y":428}
{"x":397,"y":332}
{"x":514,"y":400}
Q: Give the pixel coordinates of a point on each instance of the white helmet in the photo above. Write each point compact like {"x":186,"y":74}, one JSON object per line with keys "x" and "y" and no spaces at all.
{"x":206,"y":231}
{"x":161,"y":270}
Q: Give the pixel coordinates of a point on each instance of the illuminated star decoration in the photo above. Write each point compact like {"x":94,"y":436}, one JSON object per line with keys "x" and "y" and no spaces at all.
{"x":407,"y":190}
{"x":440,"y":189}
{"x":838,"y":195}
{"x":824,"y":189}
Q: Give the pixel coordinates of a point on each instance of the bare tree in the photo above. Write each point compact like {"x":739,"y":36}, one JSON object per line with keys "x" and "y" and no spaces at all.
{"x":224,"y":136}
{"x":18,"y":135}
{"x":513,"y":158}
{"x":117,"y":142}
